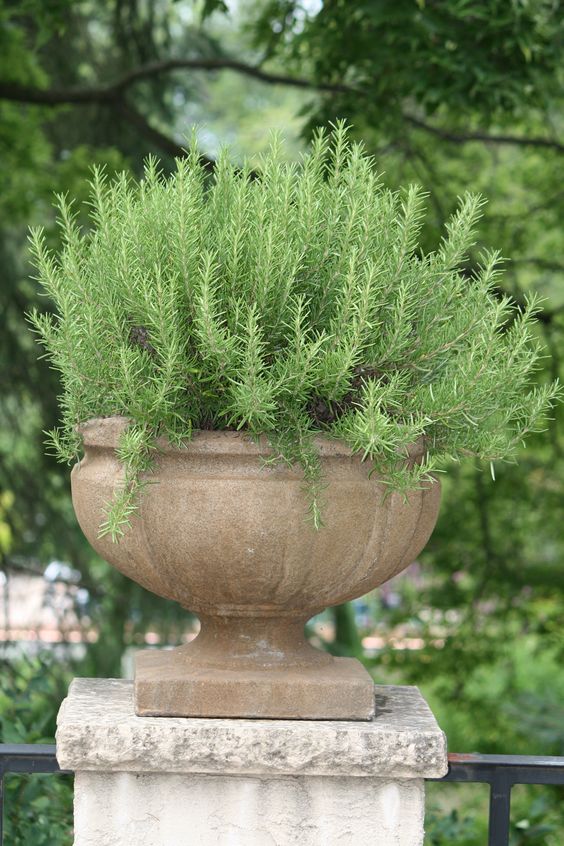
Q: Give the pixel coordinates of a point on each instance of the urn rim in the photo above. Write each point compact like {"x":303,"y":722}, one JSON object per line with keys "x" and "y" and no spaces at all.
{"x":100,"y":432}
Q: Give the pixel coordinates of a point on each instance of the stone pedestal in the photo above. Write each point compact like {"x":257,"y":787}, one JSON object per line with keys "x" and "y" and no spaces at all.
{"x":168,"y":781}
{"x":167,"y":686}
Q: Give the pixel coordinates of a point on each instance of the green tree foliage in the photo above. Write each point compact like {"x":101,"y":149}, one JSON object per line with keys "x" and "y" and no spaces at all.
{"x":496,"y":59}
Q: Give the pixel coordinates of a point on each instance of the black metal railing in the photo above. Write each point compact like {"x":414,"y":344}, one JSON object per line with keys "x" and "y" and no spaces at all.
{"x":500,"y":772}
{"x":24,"y":758}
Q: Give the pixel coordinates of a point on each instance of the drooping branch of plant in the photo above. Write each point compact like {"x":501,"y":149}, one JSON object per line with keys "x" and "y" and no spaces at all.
{"x":290,"y":304}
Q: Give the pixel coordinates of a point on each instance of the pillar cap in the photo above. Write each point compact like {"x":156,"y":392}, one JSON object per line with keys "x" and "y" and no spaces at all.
{"x":99,"y":731}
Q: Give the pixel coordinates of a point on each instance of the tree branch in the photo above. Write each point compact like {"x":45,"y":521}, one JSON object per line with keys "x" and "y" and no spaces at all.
{"x":466,"y":137}
{"x":155,"y":136}
{"x":167,"y":65}
{"x":114,"y":92}
{"x":57,"y":96}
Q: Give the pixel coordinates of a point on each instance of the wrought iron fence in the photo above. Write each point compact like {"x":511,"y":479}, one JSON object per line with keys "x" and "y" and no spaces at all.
{"x":500,"y":772}
{"x":24,"y":758}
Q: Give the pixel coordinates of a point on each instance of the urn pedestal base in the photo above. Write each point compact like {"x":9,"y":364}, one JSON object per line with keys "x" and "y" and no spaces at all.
{"x":165,"y":687}
{"x":251,"y":667}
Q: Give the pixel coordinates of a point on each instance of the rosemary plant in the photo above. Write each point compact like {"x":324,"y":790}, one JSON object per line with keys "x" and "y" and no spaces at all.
{"x":288,"y":301}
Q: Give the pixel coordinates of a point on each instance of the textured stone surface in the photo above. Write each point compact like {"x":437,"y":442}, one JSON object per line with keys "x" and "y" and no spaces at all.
{"x":343,"y":690}
{"x":98,"y":730}
{"x":124,"y":809}
{"x":227,"y":537}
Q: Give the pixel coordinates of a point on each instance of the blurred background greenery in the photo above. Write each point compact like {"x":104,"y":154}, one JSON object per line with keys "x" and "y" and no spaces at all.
{"x":454,"y":95}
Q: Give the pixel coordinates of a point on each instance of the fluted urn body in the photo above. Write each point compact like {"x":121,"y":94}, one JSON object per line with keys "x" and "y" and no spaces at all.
{"x":228,"y":537}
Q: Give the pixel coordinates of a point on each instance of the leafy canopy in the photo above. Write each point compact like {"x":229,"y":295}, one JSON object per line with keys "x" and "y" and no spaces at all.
{"x":489,"y":59}
{"x":290,"y":301}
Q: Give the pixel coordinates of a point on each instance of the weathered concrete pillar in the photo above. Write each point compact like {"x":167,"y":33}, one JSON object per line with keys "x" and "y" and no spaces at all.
{"x":169,"y":781}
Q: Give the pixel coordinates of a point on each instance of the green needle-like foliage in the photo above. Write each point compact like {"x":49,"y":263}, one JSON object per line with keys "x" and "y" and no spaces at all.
{"x":288,"y":301}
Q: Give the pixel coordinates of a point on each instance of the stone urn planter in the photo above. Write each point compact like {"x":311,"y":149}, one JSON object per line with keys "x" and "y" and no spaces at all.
{"x":226,"y":537}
